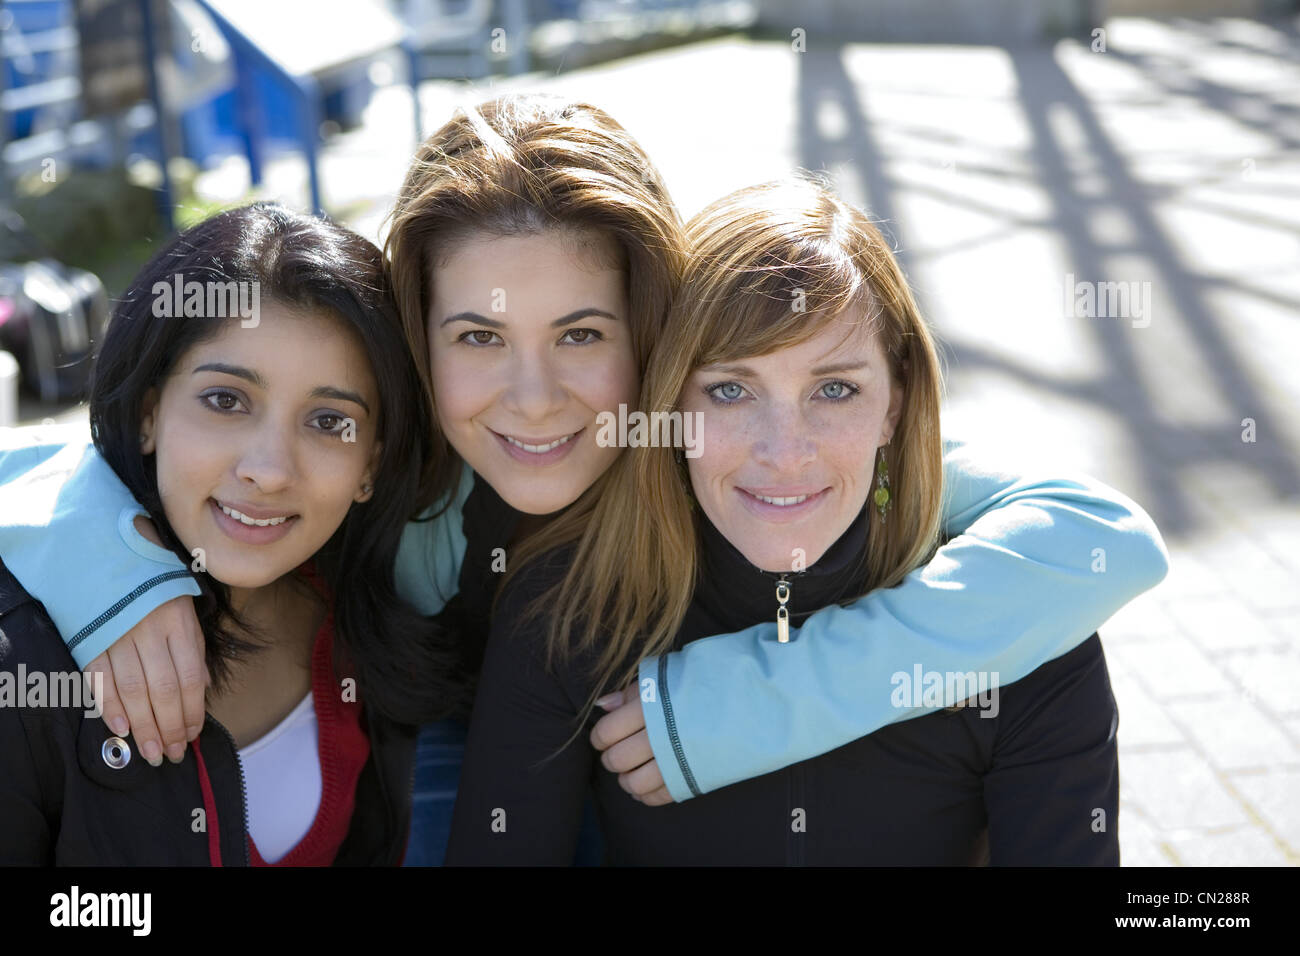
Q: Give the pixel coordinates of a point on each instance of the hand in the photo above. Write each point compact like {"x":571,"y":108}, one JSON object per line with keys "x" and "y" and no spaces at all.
{"x":155,"y":679}
{"x":625,"y":747}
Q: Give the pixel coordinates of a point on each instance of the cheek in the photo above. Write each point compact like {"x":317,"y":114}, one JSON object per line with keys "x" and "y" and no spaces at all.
{"x":724,"y":450}
{"x":606,"y":382}
{"x":189,"y":457}
{"x":849,"y":440}
{"x":458,"y":392}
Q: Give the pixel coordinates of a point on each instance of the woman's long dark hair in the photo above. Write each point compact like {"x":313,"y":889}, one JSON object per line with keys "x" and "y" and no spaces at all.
{"x":404,"y":665}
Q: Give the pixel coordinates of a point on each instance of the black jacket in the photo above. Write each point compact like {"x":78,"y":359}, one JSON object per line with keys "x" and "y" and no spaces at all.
{"x":63,"y":803}
{"x":1037,"y":784}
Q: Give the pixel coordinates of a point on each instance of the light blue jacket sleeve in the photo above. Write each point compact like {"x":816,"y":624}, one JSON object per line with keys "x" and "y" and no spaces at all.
{"x":1036,"y":565}
{"x":67,"y":532}
{"x":432,"y":551}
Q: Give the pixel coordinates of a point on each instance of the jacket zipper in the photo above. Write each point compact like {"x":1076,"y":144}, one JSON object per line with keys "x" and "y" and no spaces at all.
{"x":243,"y":786}
{"x":782,"y":612}
{"x":796,"y":840}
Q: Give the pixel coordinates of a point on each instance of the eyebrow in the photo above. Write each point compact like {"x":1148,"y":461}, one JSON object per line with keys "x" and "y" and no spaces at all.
{"x":744,"y":371}
{"x":249,"y":375}
{"x":557,"y":324}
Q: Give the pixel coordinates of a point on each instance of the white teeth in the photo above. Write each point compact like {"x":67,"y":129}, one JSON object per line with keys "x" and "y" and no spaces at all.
{"x":783,"y":502}
{"x":255,"y":522}
{"x":538,"y":449}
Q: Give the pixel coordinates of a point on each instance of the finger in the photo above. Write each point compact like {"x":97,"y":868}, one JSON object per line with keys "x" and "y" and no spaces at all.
{"x":191,"y":671}
{"x":628,"y":754}
{"x":658,"y":799}
{"x":643,"y":780}
{"x":618,"y":724}
{"x":128,"y":674}
{"x":164,"y":687}
{"x":110,"y":703}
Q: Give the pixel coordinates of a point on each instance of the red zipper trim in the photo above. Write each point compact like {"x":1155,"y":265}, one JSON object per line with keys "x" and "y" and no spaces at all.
{"x":209,"y":807}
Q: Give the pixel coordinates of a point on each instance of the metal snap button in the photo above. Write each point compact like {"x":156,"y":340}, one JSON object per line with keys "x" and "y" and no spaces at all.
{"x":116,"y":752}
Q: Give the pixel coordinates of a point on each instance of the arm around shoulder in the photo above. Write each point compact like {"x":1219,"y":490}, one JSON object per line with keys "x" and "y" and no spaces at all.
{"x":67,"y":534}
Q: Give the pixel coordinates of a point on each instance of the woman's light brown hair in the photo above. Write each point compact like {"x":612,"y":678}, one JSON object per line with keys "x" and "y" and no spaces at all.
{"x":758,"y":256}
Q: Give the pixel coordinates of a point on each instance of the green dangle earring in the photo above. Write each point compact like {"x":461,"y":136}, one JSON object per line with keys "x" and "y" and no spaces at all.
{"x":881,"y":495}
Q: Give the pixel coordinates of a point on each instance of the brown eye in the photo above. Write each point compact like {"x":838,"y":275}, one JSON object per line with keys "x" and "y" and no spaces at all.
{"x":478,"y":337}
{"x":221,"y":401}
{"x":581,"y":336}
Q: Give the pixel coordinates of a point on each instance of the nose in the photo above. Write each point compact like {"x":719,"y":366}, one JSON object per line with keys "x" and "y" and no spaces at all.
{"x":535,"y":392}
{"x":784,"y":441}
{"x":267,"y":460}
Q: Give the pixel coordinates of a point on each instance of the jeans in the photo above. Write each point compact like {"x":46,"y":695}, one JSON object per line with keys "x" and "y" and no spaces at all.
{"x":439,"y":753}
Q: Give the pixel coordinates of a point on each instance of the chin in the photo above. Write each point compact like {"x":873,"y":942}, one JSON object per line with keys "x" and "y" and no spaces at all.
{"x":530,"y":503}
{"x":237,"y":574}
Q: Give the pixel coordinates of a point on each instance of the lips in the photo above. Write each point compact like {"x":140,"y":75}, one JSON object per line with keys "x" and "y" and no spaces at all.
{"x":781,"y":504}
{"x":538,"y":451}
{"x":249,"y":525}
{"x":782,"y":497}
{"x":539,"y":447}
{"x":255,"y":517}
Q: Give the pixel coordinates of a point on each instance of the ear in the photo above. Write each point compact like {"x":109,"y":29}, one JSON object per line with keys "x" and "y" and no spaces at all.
{"x":368,"y":478}
{"x":896,"y":395}
{"x":148,"y":421}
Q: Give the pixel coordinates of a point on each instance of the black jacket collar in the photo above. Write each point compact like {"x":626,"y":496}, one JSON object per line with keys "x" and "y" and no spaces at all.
{"x":739,"y":594}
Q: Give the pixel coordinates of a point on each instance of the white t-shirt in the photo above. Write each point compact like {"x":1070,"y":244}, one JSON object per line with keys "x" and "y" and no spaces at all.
{"x":282,"y":776}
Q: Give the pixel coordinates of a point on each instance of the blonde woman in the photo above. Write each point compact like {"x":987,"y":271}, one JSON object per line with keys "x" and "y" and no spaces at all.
{"x":822,"y":442}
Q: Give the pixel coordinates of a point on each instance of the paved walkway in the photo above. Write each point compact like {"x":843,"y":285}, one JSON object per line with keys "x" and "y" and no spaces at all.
{"x":1170,"y":162}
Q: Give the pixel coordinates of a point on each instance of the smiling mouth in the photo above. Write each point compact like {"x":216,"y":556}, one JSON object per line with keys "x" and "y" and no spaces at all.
{"x":793,"y":502}
{"x":784,"y":502}
{"x":539,"y":449}
{"x":253,"y":522}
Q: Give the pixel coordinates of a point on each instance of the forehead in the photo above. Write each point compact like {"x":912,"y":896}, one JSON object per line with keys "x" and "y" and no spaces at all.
{"x":289,"y":342}
{"x":552,"y":255}
{"x":850,"y":335}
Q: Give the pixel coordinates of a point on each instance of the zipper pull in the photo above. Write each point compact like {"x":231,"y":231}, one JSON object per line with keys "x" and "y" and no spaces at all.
{"x":782,"y":612}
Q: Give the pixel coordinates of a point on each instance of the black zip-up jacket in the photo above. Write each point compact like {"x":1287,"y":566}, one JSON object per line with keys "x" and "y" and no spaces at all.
{"x":1038,"y":784}
{"x":62,"y":802}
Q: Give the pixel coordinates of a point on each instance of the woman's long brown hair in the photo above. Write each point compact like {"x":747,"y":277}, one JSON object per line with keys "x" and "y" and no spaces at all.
{"x":523,"y":165}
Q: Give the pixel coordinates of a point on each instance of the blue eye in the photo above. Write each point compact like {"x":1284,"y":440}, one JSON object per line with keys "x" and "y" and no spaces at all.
{"x":838,"y":391}
{"x":726,"y":393}
{"x":581,"y":336}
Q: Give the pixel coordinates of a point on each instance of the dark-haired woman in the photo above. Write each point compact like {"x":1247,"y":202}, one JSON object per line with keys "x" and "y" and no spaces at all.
{"x":277,"y":446}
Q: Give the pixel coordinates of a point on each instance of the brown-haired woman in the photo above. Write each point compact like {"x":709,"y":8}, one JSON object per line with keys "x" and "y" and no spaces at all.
{"x":805,"y":409}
